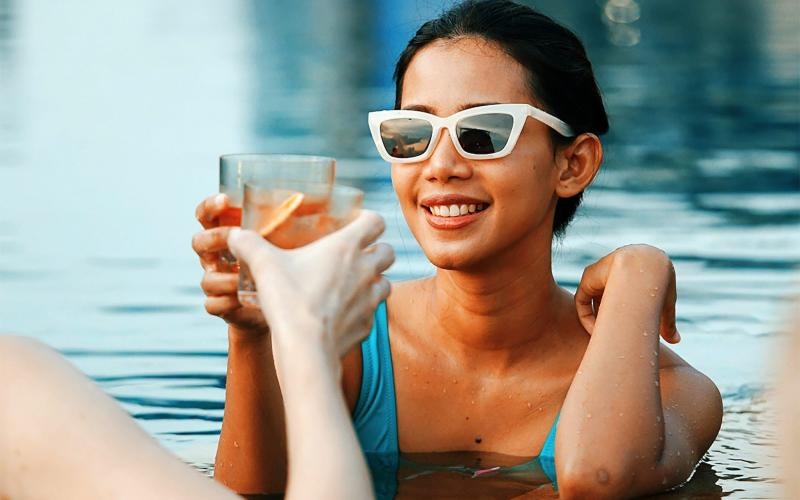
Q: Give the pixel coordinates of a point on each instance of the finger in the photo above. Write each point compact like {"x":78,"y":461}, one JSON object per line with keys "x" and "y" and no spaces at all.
{"x":669,"y":331}
{"x":216,"y":283}
{"x":380,"y":291}
{"x":590,"y":290}
{"x":382,"y":256}
{"x":365,"y":229}
{"x":250,"y":248}
{"x":211,"y":240}
{"x":222,"y":305}
{"x":208,"y":211}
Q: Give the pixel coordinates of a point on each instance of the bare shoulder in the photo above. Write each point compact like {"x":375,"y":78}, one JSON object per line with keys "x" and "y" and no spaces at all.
{"x":402,"y":295}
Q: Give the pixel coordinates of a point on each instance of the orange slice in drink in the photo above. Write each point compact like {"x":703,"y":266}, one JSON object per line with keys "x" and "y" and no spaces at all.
{"x":282,"y":214}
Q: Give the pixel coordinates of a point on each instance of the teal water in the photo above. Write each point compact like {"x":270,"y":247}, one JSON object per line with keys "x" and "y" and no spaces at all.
{"x":112,"y":118}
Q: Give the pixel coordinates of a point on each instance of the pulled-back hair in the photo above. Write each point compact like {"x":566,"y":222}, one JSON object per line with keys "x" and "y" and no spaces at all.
{"x":560,"y":74}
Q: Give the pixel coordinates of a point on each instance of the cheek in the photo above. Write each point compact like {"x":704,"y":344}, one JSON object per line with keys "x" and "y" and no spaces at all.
{"x":404,"y":187}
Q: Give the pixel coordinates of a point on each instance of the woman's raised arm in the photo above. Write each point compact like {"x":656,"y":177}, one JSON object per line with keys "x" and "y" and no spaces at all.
{"x":637,"y":418}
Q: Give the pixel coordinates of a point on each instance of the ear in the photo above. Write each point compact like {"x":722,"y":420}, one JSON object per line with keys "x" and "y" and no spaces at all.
{"x":578,"y":163}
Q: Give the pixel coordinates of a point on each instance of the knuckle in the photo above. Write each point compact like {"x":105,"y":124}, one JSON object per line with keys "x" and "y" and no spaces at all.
{"x":197,"y":239}
{"x":211,"y":307}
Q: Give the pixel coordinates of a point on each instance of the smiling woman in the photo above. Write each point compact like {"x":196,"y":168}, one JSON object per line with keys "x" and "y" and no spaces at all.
{"x":494,"y":138}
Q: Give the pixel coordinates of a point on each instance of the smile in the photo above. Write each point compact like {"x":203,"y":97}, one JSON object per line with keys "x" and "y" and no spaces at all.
{"x":455,"y":210}
{"x":452,"y":211}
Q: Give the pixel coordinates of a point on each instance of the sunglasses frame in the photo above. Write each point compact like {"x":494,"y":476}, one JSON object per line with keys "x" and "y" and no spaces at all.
{"x":519,"y":113}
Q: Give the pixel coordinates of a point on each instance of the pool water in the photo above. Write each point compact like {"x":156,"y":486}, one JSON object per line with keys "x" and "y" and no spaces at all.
{"x":111,"y":123}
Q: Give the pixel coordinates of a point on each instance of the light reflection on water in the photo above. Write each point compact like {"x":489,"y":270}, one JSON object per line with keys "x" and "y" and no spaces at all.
{"x":105,"y":149}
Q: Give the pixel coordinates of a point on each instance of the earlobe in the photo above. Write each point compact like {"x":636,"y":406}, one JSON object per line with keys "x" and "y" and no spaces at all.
{"x":579,"y":163}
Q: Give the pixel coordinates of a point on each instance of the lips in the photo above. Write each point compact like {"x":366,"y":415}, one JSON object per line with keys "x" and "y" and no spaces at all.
{"x":452,"y":211}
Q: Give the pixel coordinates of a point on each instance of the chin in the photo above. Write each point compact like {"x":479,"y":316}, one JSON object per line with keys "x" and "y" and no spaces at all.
{"x":453,"y":259}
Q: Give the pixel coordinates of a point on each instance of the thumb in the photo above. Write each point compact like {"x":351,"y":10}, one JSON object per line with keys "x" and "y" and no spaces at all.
{"x":249,"y":247}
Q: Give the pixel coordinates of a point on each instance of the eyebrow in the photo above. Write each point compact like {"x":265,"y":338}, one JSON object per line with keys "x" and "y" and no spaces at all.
{"x":428,"y":109}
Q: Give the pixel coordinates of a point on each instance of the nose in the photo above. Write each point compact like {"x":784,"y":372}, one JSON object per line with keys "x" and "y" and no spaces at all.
{"x":445,"y":163}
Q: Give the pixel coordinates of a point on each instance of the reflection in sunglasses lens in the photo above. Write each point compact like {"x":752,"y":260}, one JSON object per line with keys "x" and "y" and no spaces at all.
{"x":406,"y":137}
{"x":484,"y":134}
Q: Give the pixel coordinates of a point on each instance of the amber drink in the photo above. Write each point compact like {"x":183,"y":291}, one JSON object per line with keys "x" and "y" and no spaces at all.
{"x":290,"y":216}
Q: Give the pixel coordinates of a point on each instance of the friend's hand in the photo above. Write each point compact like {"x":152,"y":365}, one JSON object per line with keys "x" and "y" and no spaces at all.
{"x":332,"y":285}
{"x":220,"y":279}
{"x":646,"y":259}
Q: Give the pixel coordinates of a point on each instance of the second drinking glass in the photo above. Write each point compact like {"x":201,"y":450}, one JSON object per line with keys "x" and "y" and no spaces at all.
{"x":293,"y":214}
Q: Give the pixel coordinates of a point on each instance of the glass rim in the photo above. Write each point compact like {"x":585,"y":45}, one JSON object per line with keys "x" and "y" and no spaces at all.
{"x":276,"y":157}
{"x":286,"y":185}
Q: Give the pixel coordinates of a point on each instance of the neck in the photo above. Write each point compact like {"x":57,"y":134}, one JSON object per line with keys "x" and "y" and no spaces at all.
{"x":500,"y":311}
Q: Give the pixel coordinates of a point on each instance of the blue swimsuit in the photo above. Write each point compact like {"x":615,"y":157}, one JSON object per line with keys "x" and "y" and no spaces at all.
{"x":375,"y":416}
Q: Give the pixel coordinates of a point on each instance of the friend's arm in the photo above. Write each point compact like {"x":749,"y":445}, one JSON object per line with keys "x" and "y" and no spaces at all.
{"x":632,"y":424}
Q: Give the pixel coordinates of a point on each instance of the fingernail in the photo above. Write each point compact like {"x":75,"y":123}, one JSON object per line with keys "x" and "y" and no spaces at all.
{"x":219,"y":200}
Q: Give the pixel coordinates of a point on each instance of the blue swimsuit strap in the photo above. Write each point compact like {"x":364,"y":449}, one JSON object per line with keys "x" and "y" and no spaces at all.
{"x":375,"y":415}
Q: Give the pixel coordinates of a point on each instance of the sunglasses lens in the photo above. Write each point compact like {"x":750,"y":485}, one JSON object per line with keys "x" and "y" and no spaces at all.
{"x":484,"y":134}
{"x":406,"y":137}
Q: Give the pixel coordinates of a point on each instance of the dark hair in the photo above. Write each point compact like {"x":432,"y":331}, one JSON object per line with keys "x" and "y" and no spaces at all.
{"x":561,"y":76}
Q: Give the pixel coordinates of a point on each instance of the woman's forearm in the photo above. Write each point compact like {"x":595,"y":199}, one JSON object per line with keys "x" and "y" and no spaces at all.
{"x":612,"y":422}
{"x":322,"y":442}
{"x":251,"y":455}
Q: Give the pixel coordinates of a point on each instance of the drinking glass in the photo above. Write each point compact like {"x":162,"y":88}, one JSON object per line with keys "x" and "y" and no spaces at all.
{"x":290,"y":215}
{"x":237,"y":169}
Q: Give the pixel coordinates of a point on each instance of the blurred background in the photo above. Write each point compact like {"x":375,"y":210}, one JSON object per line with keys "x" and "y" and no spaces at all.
{"x":113,"y":115}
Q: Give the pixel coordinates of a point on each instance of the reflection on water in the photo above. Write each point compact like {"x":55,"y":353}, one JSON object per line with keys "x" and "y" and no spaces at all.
{"x":106,"y":148}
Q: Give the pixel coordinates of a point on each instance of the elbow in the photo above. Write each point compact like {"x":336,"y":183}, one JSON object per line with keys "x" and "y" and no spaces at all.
{"x":595,"y":481}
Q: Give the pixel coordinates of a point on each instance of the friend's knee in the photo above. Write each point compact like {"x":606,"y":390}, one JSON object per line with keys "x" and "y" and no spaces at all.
{"x":19,"y":354}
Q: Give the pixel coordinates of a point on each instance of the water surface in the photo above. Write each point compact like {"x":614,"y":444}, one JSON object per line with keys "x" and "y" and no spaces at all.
{"x":112,"y":117}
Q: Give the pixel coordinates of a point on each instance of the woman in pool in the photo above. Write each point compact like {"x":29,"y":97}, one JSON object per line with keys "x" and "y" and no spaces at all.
{"x":493,"y":140}
{"x":62,"y":437}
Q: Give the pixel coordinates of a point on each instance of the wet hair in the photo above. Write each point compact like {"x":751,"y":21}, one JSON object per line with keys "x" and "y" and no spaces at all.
{"x":560,"y":74}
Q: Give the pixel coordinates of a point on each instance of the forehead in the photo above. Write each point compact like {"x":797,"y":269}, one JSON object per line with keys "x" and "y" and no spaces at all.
{"x":448,"y":74}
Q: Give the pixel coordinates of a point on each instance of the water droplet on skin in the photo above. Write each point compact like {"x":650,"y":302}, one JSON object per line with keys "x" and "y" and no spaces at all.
{"x":652,"y":295}
{"x":473,"y":401}
{"x":658,"y":418}
{"x":655,"y":288}
{"x":455,"y":381}
{"x":652,"y":362}
{"x":405,"y":368}
{"x":529,"y":405}
{"x":540,"y":408}
{"x":656,"y":383}
{"x":444,"y":390}
{"x":641,"y":270}
{"x":580,"y":372}
{"x":622,"y":357}
{"x":588,"y":415}
{"x":235,"y":444}
{"x":645,"y":334}
{"x":621,"y":414}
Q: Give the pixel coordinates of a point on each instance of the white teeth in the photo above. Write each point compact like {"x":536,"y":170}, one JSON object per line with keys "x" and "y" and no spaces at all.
{"x":455,"y":210}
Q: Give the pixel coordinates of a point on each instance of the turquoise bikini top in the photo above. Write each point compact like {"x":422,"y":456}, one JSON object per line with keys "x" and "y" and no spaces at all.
{"x":375,"y":416}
